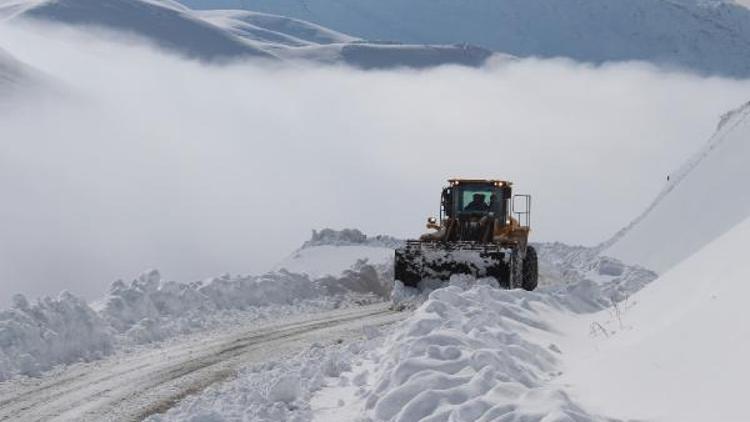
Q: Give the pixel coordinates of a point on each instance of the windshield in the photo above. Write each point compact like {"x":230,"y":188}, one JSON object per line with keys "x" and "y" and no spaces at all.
{"x":477,"y":199}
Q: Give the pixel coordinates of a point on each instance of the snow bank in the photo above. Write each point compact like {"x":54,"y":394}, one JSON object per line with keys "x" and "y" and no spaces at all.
{"x":34,"y":338}
{"x":685,"y":336}
{"x":473,"y":355}
{"x":149,"y":309}
{"x":473,"y":352}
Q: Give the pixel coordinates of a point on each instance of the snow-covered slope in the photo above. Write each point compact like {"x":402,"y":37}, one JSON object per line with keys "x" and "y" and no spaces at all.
{"x":231,"y":34}
{"x":705,"y":36}
{"x":273,"y":29}
{"x":703,"y":199}
{"x":678,"y":351}
{"x":164,"y":23}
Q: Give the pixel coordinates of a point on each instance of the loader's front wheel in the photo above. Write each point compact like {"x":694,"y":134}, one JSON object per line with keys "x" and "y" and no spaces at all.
{"x":530,"y":271}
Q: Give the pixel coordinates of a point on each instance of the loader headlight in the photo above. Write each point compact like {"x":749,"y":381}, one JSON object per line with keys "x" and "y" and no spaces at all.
{"x":432,"y":220}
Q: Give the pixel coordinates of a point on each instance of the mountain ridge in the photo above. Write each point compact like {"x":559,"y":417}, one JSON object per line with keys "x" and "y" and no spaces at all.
{"x":707,"y":37}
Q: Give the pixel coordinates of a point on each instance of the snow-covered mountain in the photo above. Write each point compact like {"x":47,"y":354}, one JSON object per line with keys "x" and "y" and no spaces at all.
{"x":705,"y":36}
{"x":231,"y":34}
{"x":704,"y":199}
{"x":165,"y":23}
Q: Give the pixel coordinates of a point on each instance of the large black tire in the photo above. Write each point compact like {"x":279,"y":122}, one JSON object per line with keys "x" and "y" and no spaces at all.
{"x":530,"y":277}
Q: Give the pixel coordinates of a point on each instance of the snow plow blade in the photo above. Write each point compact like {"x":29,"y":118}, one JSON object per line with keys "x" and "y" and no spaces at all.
{"x":420,"y":260}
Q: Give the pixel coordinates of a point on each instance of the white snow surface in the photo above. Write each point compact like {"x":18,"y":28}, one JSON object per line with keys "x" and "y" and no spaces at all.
{"x":230,"y":35}
{"x":703,"y":199}
{"x":707,"y":36}
{"x":675,"y":351}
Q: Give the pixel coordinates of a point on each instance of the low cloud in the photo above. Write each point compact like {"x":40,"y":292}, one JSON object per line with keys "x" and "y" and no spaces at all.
{"x":153,"y":161}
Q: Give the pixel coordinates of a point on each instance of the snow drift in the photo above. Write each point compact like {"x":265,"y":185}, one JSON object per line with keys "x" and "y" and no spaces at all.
{"x":679,"y":349}
{"x":703,"y":199}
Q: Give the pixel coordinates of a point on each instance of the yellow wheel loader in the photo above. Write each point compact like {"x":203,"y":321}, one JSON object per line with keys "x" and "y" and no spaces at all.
{"x":483,"y":231}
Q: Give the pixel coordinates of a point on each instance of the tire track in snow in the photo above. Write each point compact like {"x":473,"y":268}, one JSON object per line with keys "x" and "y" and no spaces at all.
{"x":136,"y":385}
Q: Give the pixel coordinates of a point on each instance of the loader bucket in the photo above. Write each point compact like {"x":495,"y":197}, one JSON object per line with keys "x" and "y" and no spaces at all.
{"x":419,"y":260}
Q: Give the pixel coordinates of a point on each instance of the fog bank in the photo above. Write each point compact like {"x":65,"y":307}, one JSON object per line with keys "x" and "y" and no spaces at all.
{"x":153,"y":161}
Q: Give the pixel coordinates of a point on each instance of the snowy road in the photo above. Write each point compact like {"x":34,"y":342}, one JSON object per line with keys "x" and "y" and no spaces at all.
{"x":132,"y":386}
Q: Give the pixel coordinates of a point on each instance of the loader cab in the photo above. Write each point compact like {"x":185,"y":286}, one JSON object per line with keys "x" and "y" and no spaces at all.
{"x":475,"y":199}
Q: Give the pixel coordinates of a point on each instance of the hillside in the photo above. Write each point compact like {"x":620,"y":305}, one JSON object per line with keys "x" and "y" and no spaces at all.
{"x":703,"y":199}
{"x":165,"y":24}
{"x":229,"y":35}
{"x":708,"y":37}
